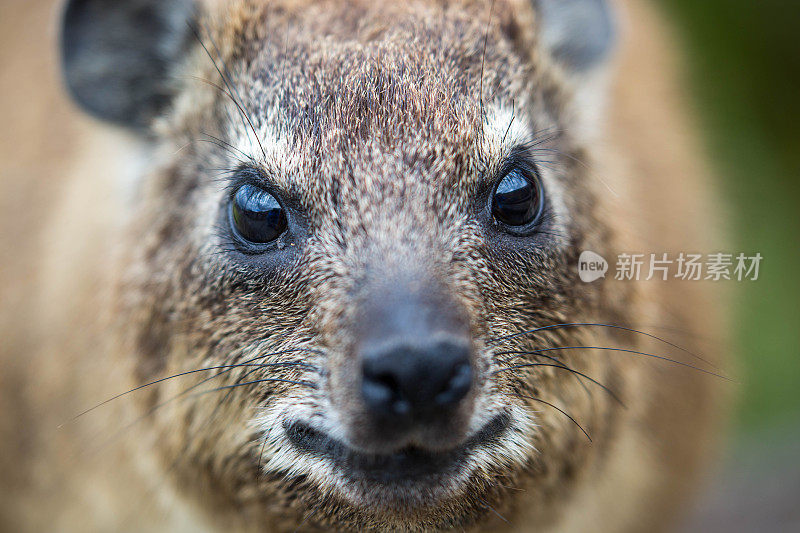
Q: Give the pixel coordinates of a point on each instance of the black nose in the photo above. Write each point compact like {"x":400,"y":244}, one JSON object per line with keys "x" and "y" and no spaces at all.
{"x":416,"y":380}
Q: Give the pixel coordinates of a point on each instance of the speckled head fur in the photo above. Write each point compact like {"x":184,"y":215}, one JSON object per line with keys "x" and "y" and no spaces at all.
{"x":382,"y":127}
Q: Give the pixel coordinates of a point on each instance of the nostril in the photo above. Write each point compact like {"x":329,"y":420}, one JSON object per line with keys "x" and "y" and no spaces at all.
{"x":382,"y":392}
{"x":456,"y":387}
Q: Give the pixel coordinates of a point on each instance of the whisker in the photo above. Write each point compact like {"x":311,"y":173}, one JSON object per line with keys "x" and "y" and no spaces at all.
{"x":208,"y":421}
{"x":535,"y":399}
{"x":508,"y":487}
{"x":197,"y":394}
{"x":245,"y":116}
{"x":306,"y":518}
{"x":552,"y":234}
{"x":285,"y":61}
{"x":264,"y":380}
{"x":196,"y":33}
{"x":231,"y":366}
{"x":492,"y":509}
{"x":225,"y":148}
{"x":550,"y":365}
{"x":510,"y":122}
{"x":229,"y":145}
{"x":560,"y":362}
{"x":232,"y":86}
{"x":483,"y":61}
{"x":196,"y":385}
{"x":215,"y":86}
{"x":223,"y":91}
{"x":617,"y":350}
{"x":539,"y":137}
{"x":596,"y":324}
{"x":227,"y":395}
{"x":260,"y":458}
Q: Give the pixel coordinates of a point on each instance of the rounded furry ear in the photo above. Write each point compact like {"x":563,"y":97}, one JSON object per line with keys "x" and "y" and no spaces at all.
{"x":116,"y":55}
{"x":579,"y":33}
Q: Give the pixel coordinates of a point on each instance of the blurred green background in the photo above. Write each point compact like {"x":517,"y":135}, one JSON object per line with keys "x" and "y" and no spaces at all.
{"x":743,"y":61}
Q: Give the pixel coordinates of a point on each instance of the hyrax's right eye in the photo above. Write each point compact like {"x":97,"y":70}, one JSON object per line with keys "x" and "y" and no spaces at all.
{"x":517,"y":198}
{"x":256,"y":216}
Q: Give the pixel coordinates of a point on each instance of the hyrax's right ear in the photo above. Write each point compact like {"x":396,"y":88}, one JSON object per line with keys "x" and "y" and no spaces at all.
{"x":117,"y":55}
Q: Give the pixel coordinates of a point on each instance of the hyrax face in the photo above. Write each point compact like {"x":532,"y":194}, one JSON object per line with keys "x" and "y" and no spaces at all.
{"x":359,"y":213}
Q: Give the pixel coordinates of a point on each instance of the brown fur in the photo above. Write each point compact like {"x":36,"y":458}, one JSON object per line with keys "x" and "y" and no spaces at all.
{"x":381,"y":140}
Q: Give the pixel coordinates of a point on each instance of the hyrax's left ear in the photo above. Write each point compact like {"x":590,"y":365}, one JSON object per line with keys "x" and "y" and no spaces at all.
{"x":117,"y":55}
{"x":579,"y":34}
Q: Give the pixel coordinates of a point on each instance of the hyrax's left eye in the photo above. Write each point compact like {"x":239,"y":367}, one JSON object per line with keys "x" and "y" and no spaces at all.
{"x":517,"y":198}
{"x":256,"y":215}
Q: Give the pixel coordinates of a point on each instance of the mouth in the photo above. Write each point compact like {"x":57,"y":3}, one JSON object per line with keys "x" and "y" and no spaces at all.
{"x":407,"y":466}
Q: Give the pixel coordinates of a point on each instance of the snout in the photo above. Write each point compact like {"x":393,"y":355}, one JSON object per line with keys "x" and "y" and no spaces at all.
{"x":412,"y":372}
{"x":406,"y":394}
{"x":412,"y":380}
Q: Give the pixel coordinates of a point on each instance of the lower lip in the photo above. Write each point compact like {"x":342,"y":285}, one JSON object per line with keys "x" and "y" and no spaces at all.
{"x":405,"y":466}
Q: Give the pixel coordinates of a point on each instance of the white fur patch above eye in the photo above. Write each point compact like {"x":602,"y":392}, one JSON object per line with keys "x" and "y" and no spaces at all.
{"x":504,"y":127}
{"x":263,"y":145}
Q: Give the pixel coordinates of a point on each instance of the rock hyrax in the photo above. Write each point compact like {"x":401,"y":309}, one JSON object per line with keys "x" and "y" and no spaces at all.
{"x":342,"y":276}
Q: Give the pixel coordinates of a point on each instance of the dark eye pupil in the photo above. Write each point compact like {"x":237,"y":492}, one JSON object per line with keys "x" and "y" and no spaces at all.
{"x":256,"y":215}
{"x":516,"y":200}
